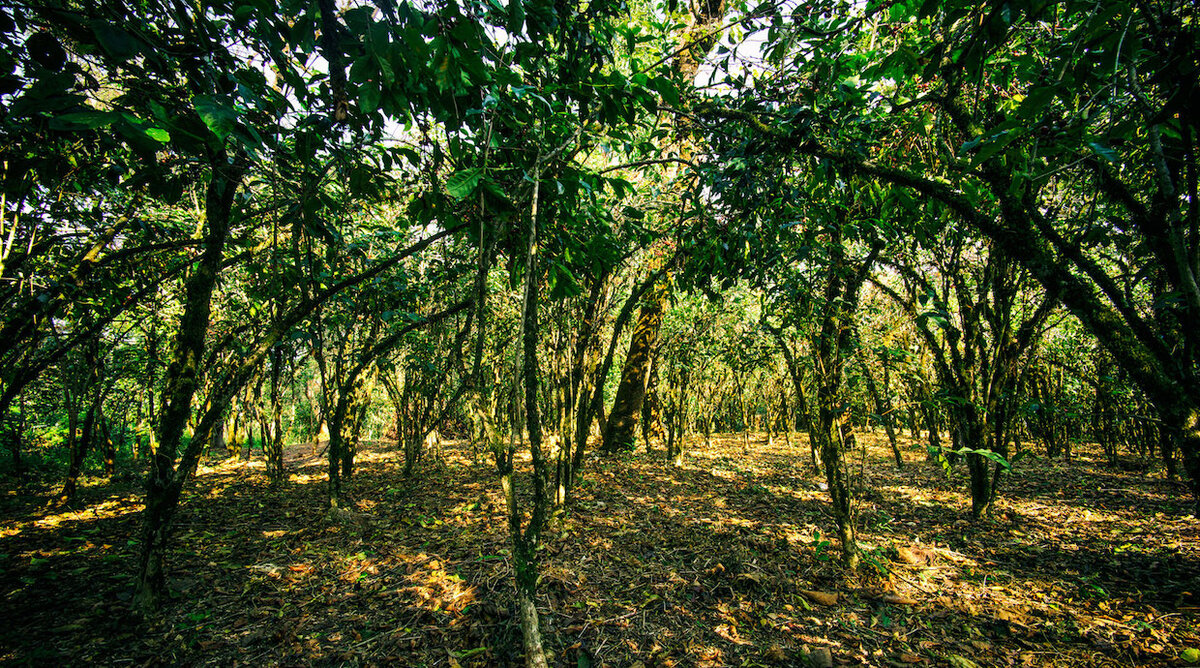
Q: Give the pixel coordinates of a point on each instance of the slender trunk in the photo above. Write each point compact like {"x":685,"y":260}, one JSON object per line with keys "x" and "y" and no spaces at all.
{"x":360,"y":402}
{"x":181,"y":380}
{"x":591,"y":410}
{"x":525,"y":542}
{"x":883,"y":409}
{"x":14,"y":433}
{"x":110,"y":447}
{"x":831,"y":349}
{"x":827,"y":440}
{"x":652,"y":427}
{"x":802,"y":407}
{"x":80,"y":449}
{"x":932,"y":428}
{"x":677,"y":418}
{"x":274,"y":454}
{"x":627,"y":405}
{"x":535,"y":654}
{"x":1180,"y":432}
{"x":972,"y":434}
{"x":336,"y":446}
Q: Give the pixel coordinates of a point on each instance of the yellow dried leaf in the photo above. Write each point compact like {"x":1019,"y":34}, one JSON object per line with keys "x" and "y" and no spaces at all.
{"x":820,"y":597}
{"x":910,"y":556}
{"x":897,"y":599}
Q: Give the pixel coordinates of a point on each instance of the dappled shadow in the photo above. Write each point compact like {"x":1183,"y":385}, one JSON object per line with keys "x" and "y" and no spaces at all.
{"x":66,"y":575}
{"x":712,"y":563}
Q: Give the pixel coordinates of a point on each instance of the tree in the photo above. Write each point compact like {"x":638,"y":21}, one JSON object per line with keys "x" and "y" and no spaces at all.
{"x":977,"y":314}
{"x":1059,"y":137}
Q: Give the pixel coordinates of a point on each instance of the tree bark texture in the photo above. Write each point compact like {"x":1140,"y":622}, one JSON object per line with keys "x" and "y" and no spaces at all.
{"x":180,"y":382}
{"x":627,"y":405}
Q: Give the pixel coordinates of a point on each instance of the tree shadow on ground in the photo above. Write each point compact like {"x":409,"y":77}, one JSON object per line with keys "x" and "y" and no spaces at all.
{"x":708,"y":564}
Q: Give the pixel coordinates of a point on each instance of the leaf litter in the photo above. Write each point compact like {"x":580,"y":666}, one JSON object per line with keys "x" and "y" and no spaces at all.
{"x":724,"y":561}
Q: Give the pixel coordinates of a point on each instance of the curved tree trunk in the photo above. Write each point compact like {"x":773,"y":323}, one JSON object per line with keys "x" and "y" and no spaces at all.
{"x":652,"y":427}
{"x":627,"y":405}
{"x":181,"y":380}
{"x":274,"y":446}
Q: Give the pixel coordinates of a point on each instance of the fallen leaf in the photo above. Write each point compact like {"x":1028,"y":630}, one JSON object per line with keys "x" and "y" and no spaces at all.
{"x":820,"y":597}
{"x":897,"y":599}
{"x":911,"y":556}
{"x":819,"y":657}
{"x":1012,"y":617}
{"x":959,"y":661}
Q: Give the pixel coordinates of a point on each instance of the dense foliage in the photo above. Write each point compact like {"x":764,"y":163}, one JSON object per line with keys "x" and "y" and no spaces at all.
{"x":555,"y":228}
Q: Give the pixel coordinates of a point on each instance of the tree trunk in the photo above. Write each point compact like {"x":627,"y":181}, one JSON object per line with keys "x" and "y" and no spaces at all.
{"x":830,"y":347}
{"x":110,"y":447}
{"x":79,"y":449}
{"x":652,"y":427}
{"x":334,"y":453}
{"x":932,"y":428}
{"x":974,"y":435}
{"x":827,"y":440}
{"x":627,"y":405}
{"x":525,"y":542}
{"x":526,"y":580}
{"x":181,"y":380}
{"x":14,"y":433}
{"x":274,"y":448}
{"x":883,"y":408}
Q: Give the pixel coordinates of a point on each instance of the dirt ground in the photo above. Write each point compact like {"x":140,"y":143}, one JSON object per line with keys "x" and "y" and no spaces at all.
{"x":722,"y":562}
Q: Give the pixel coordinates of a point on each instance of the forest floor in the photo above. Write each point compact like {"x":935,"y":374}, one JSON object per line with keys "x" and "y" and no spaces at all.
{"x":722,"y":562}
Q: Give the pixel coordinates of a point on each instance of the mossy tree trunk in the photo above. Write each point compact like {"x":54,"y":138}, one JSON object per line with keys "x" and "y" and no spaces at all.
{"x":631,"y":392}
{"x":180,"y":382}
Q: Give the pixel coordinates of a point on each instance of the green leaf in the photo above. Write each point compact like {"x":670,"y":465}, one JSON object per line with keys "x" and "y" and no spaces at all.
{"x":158,"y":134}
{"x":959,"y":661}
{"x":462,"y":183}
{"x":368,"y":97}
{"x":83,"y":120}
{"x":516,"y":16}
{"x":218,"y":116}
{"x":668,"y":91}
{"x":118,"y":43}
{"x":1033,"y":103}
{"x":987,"y":454}
{"x":1105,"y":153}
{"x":941,"y":458}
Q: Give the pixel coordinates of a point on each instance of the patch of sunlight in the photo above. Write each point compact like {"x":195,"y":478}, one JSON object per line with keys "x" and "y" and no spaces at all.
{"x":741,"y":522}
{"x":357,"y":567}
{"x":229,"y":465}
{"x":436,"y":589}
{"x":800,"y":494}
{"x":372,"y":456}
{"x":927,"y":497}
{"x":805,"y":536}
{"x":105,"y":510}
{"x":1064,"y":515}
{"x":724,"y":474}
{"x":306,"y":478}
